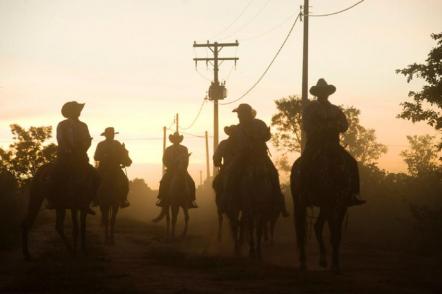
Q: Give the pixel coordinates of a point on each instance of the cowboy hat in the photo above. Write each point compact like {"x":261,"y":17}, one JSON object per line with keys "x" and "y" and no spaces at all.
{"x":109,"y":130}
{"x":71,"y":108}
{"x":176,"y":138}
{"x":244,"y":108}
{"x":322,"y":88}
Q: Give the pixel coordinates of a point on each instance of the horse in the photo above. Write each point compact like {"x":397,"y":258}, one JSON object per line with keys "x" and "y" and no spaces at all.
{"x":78,"y":201}
{"x":113,"y":187}
{"x":8,"y":184}
{"x":328,"y":194}
{"x":179,"y":195}
{"x":253,"y":206}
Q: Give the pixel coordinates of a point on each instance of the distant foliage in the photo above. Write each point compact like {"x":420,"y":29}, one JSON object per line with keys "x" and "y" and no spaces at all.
{"x":287,"y":122}
{"x":422,"y":156}
{"x":28,"y":151}
{"x":427,"y":103}
{"x":358,"y":140}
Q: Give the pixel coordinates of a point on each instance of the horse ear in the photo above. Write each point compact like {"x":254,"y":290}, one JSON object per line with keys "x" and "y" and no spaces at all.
{"x":124,"y":145}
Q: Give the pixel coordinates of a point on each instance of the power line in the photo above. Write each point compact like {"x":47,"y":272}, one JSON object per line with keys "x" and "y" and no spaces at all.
{"x":197,"y":115}
{"x":268,"y":67}
{"x":337,"y":12}
{"x":248,"y":22}
{"x":235,"y":20}
{"x":252,"y":37}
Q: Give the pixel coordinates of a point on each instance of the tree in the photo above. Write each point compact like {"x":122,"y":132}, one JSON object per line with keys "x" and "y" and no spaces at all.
{"x":287,"y":122}
{"x":360,"y":142}
{"x":28,"y":151}
{"x":427,"y":103}
{"x":421,"y":158}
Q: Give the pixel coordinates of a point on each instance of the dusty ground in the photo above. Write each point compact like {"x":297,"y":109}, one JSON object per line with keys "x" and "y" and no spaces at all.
{"x":142,"y":261}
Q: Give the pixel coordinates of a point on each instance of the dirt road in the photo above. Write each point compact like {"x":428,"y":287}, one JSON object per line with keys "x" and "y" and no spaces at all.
{"x":142,"y":261}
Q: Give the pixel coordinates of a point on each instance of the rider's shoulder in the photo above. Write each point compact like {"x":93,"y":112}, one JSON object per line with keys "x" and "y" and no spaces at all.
{"x":259,"y":123}
{"x":312,"y":104}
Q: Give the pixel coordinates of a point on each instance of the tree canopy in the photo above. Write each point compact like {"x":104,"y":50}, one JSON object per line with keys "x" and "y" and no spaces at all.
{"x":359,"y":141}
{"x":28,"y":151}
{"x":421,"y":157}
{"x":426,"y":104}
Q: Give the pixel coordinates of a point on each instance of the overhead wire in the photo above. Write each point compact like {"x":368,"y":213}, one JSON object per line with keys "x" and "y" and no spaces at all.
{"x":235,"y":20}
{"x":269,"y":66}
{"x":196,"y":117}
{"x":252,"y":37}
{"x":336,"y":12}
{"x":246,"y":24}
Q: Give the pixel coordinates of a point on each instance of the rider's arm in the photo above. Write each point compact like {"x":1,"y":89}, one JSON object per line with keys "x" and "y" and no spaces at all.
{"x":218,"y":155}
{"x":98,"y":156}
{"x":342,"y":122}
{"x":87,"y":140}
{"x":65,"y":136}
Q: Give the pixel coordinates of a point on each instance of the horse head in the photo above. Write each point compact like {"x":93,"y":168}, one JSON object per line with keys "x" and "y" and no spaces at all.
{"x":125,"y":159}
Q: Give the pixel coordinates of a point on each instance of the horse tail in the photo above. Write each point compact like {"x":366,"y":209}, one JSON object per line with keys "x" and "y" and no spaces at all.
{"x":162,"y":215}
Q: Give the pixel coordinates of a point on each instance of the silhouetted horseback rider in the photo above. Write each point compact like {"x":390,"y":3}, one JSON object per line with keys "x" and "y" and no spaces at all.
{"x":323,"y":122}
{"x":176,"y":160}
{"x":109,"y":154}
{"x":73,"y":138}
{"x":223,"y":158}
{"x":250,"y":137}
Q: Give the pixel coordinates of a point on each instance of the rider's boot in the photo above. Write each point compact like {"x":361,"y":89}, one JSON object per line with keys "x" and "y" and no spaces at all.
{"x":124,"y":204}
{"x":355,"y":200}
{"x":90,"y":211}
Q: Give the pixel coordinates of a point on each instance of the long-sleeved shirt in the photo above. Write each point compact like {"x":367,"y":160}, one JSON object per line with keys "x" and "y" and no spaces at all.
{"x":176,"y":157}
{"x":323,"y":122}
{"x":224,"y":153}
{"x":73,"y":138}
{"x":108,"y":154}
{"x":251,"y":137}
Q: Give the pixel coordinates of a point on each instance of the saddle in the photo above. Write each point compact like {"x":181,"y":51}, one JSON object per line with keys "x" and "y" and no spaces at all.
{"x":70,"y":189}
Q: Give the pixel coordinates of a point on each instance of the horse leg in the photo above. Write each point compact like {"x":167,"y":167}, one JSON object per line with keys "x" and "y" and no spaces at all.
{"x":167,"y":213}
{"x":83,"y":215}
{"x":272,"y":230}
{"x":265,"y":232}
{"x":35,"y":201}
{"x":234,"y":227}
{"x":220,"y":226}
{"x":105,"y":222}
{"x":186,"y":221}
{"x":175,"y":210}
{"x":259,"y":232}
{"x":112,"y":223}
{"x":251,"y":229}
{"x":335,"y":224}
{"x":60,"y":215}
{"x":319,"y":226}
{"x":300,"y":227}
{"x":75,"y":229}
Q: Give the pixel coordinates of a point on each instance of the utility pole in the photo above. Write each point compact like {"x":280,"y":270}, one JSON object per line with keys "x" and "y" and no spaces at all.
{"x":305,"y":66}
{"x":217,"y":91}
{"x":207,"y":155}
{"x":164,"y":146}
{"x":177,"y":122}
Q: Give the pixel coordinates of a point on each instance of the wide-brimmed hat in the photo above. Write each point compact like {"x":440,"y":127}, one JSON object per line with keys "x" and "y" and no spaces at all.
{"x":322,"y":88}
{"x":110,"y":131}
{"x":71,"y":108}
{"x":176,"y":138}
{"x":245,"y":108}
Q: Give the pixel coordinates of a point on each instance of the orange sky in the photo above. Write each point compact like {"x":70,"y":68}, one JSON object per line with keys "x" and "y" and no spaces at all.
{"x":131,"y":62}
